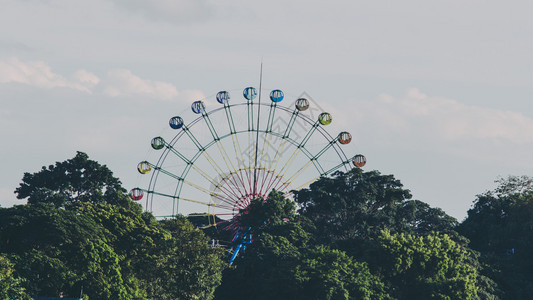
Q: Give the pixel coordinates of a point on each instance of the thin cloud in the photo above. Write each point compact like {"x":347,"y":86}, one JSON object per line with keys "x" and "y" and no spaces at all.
{"x":438,"y":118}
{"x":420,"y":123}
{"x":118,"y":83}
{"x":123,"y":83}
{"x":39,"y":74}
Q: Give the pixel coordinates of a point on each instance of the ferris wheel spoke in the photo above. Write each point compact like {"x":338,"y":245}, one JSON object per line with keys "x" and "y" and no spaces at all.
{"x":208,"y":204}
{"x":267,"y":134}
{"x":219,"y":171}
{"x":189,"y":162}
{"x":229,"y":117}
{"x":277,"y":156}
{"x":199,"y":188}
{"x":326,"y":148}
{"x":282,"y":185}
{"x":298,"y":149}
{"x":202,"y":189}
{"x":299,"y":172}
{"x":266,"y":171}
{"x":238,"y":178}
{"x":309,"y":134}
{"x":234,"y":137}
{"x":313,"y":160}
{"x":251,"y":136}
{"x":284,"y":137}
{"x":289,"y":162}
{"x":346,"y":162}
{"x":231,"y":204}
{"x":278,"y":180}
{"x":179,"y":198}
{"x":274,"y":183}
{"x":323,"y":119}
{"x":159,"y":143}
{"x":202,"y":149}
{"x":264,"y":156}
{"x":236,"y":144}
{"x":224,"y":96}
{"x":275,"y":175}
{"x":233,"y":169}
{"x":227,"y":192}
{"x":226,"y":207}
{"x":268,"y":181}
{"x":220,"y":146}
{"x":307,"y":183}
{"x":290,"y":125}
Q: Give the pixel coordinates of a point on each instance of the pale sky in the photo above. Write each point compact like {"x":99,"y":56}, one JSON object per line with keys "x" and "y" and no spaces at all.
{"x":437,"y":93}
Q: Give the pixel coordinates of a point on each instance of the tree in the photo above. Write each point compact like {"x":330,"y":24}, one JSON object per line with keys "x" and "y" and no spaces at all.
{"x":514,"y":185}
{"x":186,"y":266}
{"x":167,"y":259}
{"x":11,"y":286}
{"x":282,"y":263}
{"x":324,"y":273}
{"x":500,"y":226}
{"x":75,"y":180}
{"x":357,"y":205}
{"x":262,"y":272}
{"x":424,"y":267}
{"x":418,"y":218}
{"x":79,"y":230}
{"x":263,"y":213}
{"x":59,"y":251}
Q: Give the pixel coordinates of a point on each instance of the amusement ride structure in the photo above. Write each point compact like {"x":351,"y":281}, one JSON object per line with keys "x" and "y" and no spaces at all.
{"x":234,"y":152}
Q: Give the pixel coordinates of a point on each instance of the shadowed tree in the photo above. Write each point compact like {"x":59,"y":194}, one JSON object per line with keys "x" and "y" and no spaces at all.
{"x":359,"y":204}
{"x":281,"y":263}
{"x":80,"y":229}
{"x":75,"y":180}
{"x":500,"y":226}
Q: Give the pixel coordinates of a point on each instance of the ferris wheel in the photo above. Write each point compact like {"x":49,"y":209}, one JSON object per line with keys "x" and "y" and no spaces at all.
{"x":231,"y":152}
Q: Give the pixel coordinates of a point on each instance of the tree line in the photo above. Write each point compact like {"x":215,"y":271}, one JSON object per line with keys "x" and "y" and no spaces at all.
{"x":353,"y":235}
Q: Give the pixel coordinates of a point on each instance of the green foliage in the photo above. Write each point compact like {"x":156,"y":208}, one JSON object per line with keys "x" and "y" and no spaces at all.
{"x":186,"y":266}
{"x":350,"y":208}
{"x":59,"y":251}
{"x":135,"y":237}
{"x":268,"y":261}
{"x":514,"y":185}
{"x":418,"y":218}
{"x":11,"y":286}
{"x":168,"y":259}
{"x":110,"y":251}
{"x":81,"y":231}
{"x":356,"y":235}
{"x":262,"y":272}
{"x":75,"y":180}
{"x":324,"y":273}
{"x":262,"y":213}
{"x":425,"y":267}
{"x":500,"y":226}
{"x":282,"y":264}
{"x":351,"y":204}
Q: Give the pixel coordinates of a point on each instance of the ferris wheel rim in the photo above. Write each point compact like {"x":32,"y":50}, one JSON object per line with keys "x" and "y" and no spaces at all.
{"x":309,"y":121}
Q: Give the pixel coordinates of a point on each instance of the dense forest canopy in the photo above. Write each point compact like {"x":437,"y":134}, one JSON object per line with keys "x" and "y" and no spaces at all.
{"x":354,"y":235}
